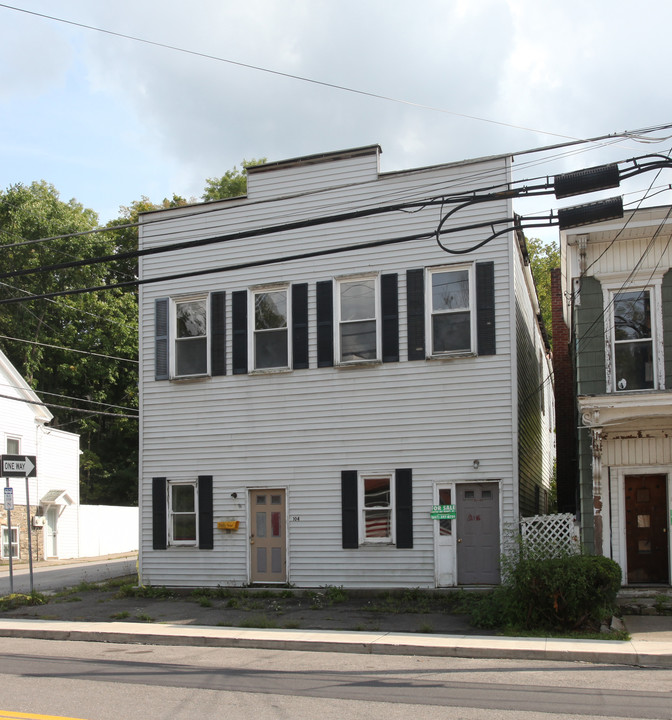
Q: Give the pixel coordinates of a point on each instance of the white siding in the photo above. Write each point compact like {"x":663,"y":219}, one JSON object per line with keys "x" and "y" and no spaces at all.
{"x":298,"y":430}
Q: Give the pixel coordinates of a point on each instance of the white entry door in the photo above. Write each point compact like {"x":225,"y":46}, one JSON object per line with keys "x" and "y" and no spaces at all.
{"x":445,"y":541}
{"x":51,"y":541}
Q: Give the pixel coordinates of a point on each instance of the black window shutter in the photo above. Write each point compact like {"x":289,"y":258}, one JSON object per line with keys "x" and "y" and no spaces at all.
{"x":161,"y":339}
{"x":300,"y":326}
{"x":218,"y":331}
{"x":415,"y":294}
{"x":349,"y":509}
{"x":389,"y":297}
{"x":159,"y":513}
{"x":403,"y":491}
{"x":239,"y":332}
{"x":485,"y":307}
{"x":325,"y":323}
{"x":205,"y":522}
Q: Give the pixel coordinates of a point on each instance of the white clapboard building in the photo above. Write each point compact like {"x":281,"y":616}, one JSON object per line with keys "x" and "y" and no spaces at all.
{"x":318,"y":374}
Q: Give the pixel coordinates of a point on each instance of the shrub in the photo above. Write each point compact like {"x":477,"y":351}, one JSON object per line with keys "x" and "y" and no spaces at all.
{"x":562,"y":592}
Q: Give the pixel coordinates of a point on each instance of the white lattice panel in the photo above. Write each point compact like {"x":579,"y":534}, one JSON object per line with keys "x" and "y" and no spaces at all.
{"x":548,"y":532}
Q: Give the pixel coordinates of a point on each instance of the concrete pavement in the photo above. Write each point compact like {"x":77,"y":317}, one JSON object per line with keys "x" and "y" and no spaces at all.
{"x":652,"y":648}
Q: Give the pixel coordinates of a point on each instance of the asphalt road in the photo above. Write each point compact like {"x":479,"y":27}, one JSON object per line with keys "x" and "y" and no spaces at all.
{"x":52,"y":578}
{"x":96,"y":681}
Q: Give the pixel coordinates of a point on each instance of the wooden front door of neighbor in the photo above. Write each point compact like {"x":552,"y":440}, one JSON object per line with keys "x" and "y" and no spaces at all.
{"x":478,"y":547}
{"x":646,"y":529}
{"x":268,"y":539}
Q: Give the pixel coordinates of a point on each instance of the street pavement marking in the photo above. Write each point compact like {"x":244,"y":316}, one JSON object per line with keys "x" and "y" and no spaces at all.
{"x":8,"y":715}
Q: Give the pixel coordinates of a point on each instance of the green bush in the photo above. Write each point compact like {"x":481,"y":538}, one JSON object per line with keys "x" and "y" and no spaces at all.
{"x":566,"y":592}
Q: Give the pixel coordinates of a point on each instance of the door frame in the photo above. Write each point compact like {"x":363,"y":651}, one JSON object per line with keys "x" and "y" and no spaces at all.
{"x":248,"y":495}
{"x":453,"y":485}
{"x":618,"y":474}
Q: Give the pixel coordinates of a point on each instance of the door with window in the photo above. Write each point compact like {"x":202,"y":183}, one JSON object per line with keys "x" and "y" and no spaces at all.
{"x":478,"y":545}
{"x":445,"y":541}
{"x":268,"y":537}
{"x":646,"y":529}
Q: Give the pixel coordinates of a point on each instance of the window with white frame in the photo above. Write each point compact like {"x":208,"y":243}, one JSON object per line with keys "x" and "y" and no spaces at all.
{"x":452,"y":316}
{"x":377,"y":508}
{"x":13,"y":446}
{"x":14,"y":545}
{"x":191,"y":336}
{"x":271,"y":328}
{"x":182,"y":513}
{"x":358,"y":311}
{"x":633,"y":340}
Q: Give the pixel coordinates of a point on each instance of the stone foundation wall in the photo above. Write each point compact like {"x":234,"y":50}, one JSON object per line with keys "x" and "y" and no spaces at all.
{"x":20,"y":521}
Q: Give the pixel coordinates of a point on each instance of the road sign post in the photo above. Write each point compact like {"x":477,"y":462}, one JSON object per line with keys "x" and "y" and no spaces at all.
{"x":24,"y":466}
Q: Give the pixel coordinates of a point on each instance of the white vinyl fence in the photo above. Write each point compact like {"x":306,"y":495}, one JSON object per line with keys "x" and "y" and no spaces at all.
{"x":107,"y":530}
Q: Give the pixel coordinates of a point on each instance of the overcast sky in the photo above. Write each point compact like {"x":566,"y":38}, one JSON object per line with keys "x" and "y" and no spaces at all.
{"x":107,"y":119}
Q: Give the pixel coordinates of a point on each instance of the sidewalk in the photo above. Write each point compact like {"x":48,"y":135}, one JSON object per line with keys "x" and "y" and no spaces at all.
{"x":650,"y":647}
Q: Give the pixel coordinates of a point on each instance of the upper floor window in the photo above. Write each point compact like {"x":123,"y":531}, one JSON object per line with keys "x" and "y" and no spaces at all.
{"x":271,"y":333}
{"x":13,"y":446}
{"x":633,"y":356}
{"x":358,"y":310}
{"x":191,"y":336}
{"x":451,"y":321}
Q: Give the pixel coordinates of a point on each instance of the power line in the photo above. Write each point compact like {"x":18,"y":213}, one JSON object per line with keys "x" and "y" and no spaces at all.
{"x":60,"y":347}
{"x":72,"y":409}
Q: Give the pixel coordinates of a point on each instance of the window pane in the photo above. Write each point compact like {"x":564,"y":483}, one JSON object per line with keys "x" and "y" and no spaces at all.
{"x":376,"y":492}
{"x":276,"y":499}
{"x":183,"y":498}
{"x":450,"y":290}
{"x":261,"y":524}
{"x":276,"y":560}
{"x":275,"y":524}
{"x":13,"y":446}
{"x":451,"y":332}
{"x":270,"y":349}
{"x":358,"y":341}
{"x":632,"y":315}
{"x":634,"y":366}
{"x":261,"y":559}
{"x":191,"y":320}
{"x":261,"y":499}
{"x":378,"y":523}
{"x":184,"y":527}
{"x":358,"y":299}
{"x":191,"y":356}
{"x":445,"y":526}
{"x":270,"y":310}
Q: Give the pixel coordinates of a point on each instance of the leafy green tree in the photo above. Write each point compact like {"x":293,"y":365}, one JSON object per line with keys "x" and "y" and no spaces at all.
{"x":543,"y":258}
{"x":100,"y":325}
{"x":232,"y":184}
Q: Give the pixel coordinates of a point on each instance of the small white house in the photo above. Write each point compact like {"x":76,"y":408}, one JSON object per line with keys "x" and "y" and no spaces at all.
{"x":52,"y":515}
{"x":318,"y":375}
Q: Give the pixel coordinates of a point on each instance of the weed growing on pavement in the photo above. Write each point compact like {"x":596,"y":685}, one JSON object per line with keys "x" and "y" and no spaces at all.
{"x":16,"y":600}
{"x":144,"y":617}
{"x":258,"y":621}
{"x":120,"y":615}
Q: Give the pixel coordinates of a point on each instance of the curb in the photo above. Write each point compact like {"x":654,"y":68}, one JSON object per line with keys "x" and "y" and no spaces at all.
{"x":633,"y":652}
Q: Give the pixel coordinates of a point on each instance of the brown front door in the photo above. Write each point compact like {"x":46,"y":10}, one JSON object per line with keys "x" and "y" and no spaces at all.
{"x":646,"y":528}
{"x":268,"y":544}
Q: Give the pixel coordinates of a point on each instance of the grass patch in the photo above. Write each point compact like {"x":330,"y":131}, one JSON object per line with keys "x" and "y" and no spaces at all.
{"x":120,"y":615}
{"x":16,"y":600}
{"x":144,"y":591}
{"x":258,"y":621}
{"x":144,"y":617}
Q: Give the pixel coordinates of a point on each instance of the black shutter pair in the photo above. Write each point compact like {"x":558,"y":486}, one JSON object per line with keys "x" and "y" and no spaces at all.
{"x":299,"y":300}
{"x":485,"y":311}
{"x":217,"y":339}
{"x":160,"y":513}
{"x":389,"y":301}
{"x":403,"y":496}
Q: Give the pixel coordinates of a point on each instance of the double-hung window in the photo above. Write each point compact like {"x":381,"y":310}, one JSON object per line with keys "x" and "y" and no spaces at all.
{"x":13,"y":446}
{"x":8,"y":547}
{"x":377,"y":508}
{"x":358,"y":311}
{"x":633,"y":350}
{"x":451,"y":322}
{"x":191,"y":336}
{"x":271,"y":329}
{"x":182,"y":513}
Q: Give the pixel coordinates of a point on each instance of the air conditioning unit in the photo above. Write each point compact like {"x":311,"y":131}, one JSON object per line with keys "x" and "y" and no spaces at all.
{"x":39,"y":521}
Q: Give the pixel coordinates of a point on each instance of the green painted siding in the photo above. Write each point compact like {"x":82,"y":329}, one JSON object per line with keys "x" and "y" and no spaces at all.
{"x":590,"y":355}
{"x":667,"y":326}
{"x":530,"y":419}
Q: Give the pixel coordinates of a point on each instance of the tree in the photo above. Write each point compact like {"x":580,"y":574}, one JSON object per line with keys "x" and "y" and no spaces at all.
{"x":100,"y":325}
{"x":543,"y":258}
{"x":232,"y":184}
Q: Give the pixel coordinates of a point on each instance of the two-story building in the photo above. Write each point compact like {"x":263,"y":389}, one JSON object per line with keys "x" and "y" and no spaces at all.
{"x":318,"y":374}
{"x":615,"y":291}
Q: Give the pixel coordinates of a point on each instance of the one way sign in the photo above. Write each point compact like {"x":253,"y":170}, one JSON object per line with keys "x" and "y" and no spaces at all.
{"x":19,"y":466}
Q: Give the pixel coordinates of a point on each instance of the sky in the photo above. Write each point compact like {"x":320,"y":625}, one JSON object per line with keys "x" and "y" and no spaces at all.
{"x":107,"y":119}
